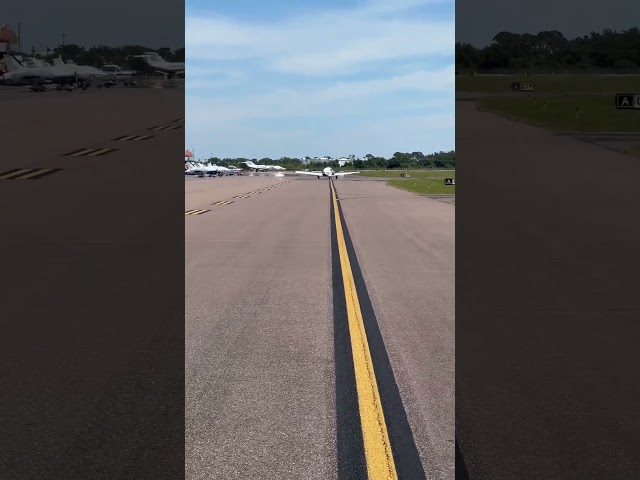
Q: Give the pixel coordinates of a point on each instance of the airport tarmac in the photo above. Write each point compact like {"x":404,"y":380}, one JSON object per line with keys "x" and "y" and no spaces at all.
{"x":81,"y":371}
{"x":546,"y":324}
{"x":261,"y":351}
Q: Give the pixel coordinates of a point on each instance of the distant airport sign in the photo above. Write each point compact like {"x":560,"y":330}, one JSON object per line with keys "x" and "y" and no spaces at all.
{"x":449,"y":181}
{"x":629,"y":101}
{"x":522,"y":86}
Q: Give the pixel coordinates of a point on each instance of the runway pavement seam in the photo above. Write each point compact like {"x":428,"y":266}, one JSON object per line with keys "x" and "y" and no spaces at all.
{"x":27,"y":173}
{"x":461,"y":468}
{"x":401,"y":448}
{"x":349,"y":442}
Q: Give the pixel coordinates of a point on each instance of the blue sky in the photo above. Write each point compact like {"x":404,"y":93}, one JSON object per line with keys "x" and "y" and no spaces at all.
{"x":295,"y":78}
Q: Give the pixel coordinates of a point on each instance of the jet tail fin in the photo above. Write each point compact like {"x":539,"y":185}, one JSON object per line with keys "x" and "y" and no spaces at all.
{"x":12,"y":63}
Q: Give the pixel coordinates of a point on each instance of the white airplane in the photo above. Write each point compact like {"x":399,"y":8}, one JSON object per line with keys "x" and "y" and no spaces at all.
{"x":161,"y":65}
{"x":23,"y":74}
{"x":235,"y":170}
{"x":115,"y":70}
{"x":195,"y":168}
{"x":38,"y":72}
{"x":252,"y":165}
{"x":223,"y":170}
{"x":83,"y":72}
{"x":327,"y":172}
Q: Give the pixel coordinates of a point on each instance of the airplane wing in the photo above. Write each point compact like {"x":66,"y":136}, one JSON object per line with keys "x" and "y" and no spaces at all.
{"x":345,"y":173}
{"x":315,"y":174}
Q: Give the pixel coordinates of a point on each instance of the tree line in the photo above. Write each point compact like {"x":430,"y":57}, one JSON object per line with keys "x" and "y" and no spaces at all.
{"x":97,"y":56}
{"x":399,"y":160}
{"x":550,"y":52}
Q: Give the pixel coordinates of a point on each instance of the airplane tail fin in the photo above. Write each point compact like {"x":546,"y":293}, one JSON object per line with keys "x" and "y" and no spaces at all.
{"x":12,"y":63}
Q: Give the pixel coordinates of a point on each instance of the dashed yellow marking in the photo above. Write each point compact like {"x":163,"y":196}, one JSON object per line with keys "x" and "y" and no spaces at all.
{"x":39,"y":172}
{"x":195,"y":212}
{"x":27,"y":173}
{"x":90,"y":152}
{"x":99,"y":152}
{"x":377,"y":446}
{"x":14,"y":173}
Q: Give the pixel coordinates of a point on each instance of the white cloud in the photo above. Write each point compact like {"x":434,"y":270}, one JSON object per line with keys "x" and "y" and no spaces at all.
{"x":380,"y":136}
{"x":339,"y":99}
{"x":378,"y":77}
{"x":212,"y":77}
{"x":323,"y":43}
{"x":388,"y":6}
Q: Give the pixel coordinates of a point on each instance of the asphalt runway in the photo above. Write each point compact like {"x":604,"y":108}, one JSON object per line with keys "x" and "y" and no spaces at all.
{"x":46,"y":125}
{"x":547,"y":303}
{"x":260,"y":343}
{"x":406,"y":247}
{"x":202,"y":192}
{"x":92,"y":344}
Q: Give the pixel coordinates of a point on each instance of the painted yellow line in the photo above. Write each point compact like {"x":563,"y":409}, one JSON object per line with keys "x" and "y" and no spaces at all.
{"x":83,"y":152}
{"x":98,"y":152}
{"x":377,"y":447}
{"x":38,"y":171}
{"x":17,"y":173}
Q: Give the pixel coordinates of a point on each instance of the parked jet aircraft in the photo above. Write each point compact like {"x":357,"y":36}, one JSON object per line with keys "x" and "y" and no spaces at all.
{"x":83,"y":72}
{"x":200,"y":169}
{"x":235,"y":170}
{"x":30,"y":72}
{"x":111,"y":69}
{"x":37,"y":72}
{"x":327,"y":172}
{"x":161,"y":65}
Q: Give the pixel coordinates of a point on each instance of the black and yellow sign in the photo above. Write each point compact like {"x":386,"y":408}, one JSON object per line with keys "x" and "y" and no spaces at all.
{"x":630,"y":101}
{"x":522,"y":86}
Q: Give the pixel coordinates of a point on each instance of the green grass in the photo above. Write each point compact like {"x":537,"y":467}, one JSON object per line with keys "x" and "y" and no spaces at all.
{"x":427,"y":181}
{"x":551,"y":83}
{"x":597,"y":113}
{"x":634,"y":151}
{"x":426,"y":173}
{"x":424,"y":185}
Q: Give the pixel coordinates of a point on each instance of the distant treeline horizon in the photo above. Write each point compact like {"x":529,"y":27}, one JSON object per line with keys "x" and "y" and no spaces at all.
{"x":550,"y":52}
{"x":398,"y":160}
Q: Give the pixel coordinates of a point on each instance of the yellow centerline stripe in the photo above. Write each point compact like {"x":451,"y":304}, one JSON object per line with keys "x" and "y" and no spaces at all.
{"x":377,"y":447}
